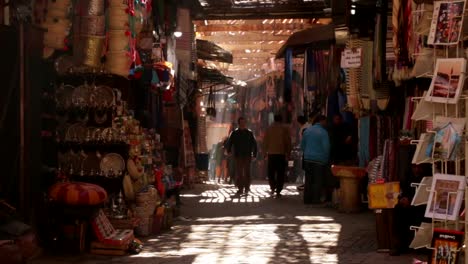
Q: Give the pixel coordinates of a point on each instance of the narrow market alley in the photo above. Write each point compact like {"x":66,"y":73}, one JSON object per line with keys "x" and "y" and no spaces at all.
{"x":215,"y":228}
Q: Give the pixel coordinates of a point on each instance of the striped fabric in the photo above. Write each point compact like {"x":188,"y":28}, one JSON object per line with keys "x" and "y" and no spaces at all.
{"x":106,"y":233}
{"x":77,"y":193}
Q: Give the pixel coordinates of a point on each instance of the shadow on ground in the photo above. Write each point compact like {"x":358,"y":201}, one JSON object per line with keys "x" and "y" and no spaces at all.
{"x":217,"y":228}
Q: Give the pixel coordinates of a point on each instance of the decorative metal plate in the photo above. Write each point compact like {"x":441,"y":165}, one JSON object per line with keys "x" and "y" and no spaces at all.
{"x":112,"y":163}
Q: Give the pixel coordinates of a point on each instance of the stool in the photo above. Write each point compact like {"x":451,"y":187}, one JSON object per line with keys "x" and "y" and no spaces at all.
{"x":350,"y":200}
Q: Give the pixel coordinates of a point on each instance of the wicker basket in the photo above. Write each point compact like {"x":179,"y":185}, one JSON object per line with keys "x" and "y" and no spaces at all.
{"x":118,"y":63}
{"x":89,"y":50}
{"x":150,"y":195}
{"x":93,"y":25}
{"x":118,"y":22}
{"x":144,"y":228}
{"x":118,"y":41}
{"x":117,"y":12}
{"x":118,"y":3}
{"x":145,"y":210}
{"x":94,"y":7}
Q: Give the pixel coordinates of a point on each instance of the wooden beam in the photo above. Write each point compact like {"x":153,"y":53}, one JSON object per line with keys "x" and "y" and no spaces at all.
{"x":253,"y":27}
{"x":276,"y":12}
{"x":243,"y":54}
{"x":242,"y":47}
{"x":246,"y":38}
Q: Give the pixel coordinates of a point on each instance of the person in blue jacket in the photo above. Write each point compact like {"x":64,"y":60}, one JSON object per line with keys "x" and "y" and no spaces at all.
{"x":316,"y":147}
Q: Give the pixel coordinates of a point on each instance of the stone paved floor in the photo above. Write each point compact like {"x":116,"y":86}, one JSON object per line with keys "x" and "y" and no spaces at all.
{"x":257,"y":229}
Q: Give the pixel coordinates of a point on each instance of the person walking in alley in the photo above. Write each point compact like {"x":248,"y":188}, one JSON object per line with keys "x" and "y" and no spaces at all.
{"x":316,"y":147}
{"x":303,"y":122}
{"x":243,"y":145}
{"x":277,"y":147}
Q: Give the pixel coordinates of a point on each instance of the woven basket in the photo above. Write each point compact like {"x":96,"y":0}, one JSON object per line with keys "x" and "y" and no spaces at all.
{"x":118,"y":41}
{"x":144,"y":228}
{"x":146,"y":197}
{"x":118,"y":22}
{"x":54,"y":40}
{"x":93,"y":25}
{"x":117,"y":11}
{"x":89,"y":50}
{"x":94,"y":7}
{"x":118,"y":3}
{"x":118,"y":63}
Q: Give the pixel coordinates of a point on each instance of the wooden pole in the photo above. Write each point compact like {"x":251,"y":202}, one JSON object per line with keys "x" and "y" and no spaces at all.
{"x":22,"y":116}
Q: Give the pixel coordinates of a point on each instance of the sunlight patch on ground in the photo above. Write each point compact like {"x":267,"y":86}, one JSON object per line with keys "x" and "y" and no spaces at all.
{"x":227,"y":193}
{"x":312,"y":240}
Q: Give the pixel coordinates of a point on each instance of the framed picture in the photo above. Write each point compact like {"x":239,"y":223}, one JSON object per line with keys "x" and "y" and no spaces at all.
{"x":446,"y":197}
{"x":422,"y":193}
{"x":383,"y":195}
{"x":445,"y":244}
{"x":447,"y":82}
{"x":447,"y":21}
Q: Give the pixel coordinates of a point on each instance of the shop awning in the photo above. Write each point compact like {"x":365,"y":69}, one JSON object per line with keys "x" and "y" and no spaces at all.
{"x":207,"y":50}
{"x":213,"y":76}
{"x":318,"y":37}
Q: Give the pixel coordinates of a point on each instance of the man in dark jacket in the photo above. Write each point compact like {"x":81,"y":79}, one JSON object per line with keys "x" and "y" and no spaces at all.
{"x":242,"y":142}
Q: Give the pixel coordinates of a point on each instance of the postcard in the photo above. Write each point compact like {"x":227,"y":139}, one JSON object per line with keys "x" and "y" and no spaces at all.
{"x":447,"y":82}
{"x":447,"y":21}
{"x":445,"y":244}
{"x":446,"y":197}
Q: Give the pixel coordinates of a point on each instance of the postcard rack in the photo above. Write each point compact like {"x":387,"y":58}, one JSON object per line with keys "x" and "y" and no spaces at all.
{"x":448,"y":109}
{"x":442,"y":166}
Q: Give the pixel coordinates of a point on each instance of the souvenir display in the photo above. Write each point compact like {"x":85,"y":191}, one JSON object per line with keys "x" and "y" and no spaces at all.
{"x":446,"y":196}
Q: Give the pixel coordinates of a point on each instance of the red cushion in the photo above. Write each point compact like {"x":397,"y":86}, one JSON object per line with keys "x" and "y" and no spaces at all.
{"x":106,"y":233}
{"x":77,"y":193}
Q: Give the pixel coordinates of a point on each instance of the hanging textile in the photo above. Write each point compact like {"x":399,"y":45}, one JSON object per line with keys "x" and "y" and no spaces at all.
{"x":189,"y":155}
{"x":310,"y":74}
{"x":364,"y":129}
{"x":288,"y":75}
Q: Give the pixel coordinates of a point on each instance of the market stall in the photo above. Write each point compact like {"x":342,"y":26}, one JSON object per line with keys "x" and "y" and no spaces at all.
{"x":110,"y":172}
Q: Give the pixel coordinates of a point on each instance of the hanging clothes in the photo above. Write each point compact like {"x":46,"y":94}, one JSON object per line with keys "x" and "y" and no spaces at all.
{"x":288,"y":75}
{"x":364,"y":129}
